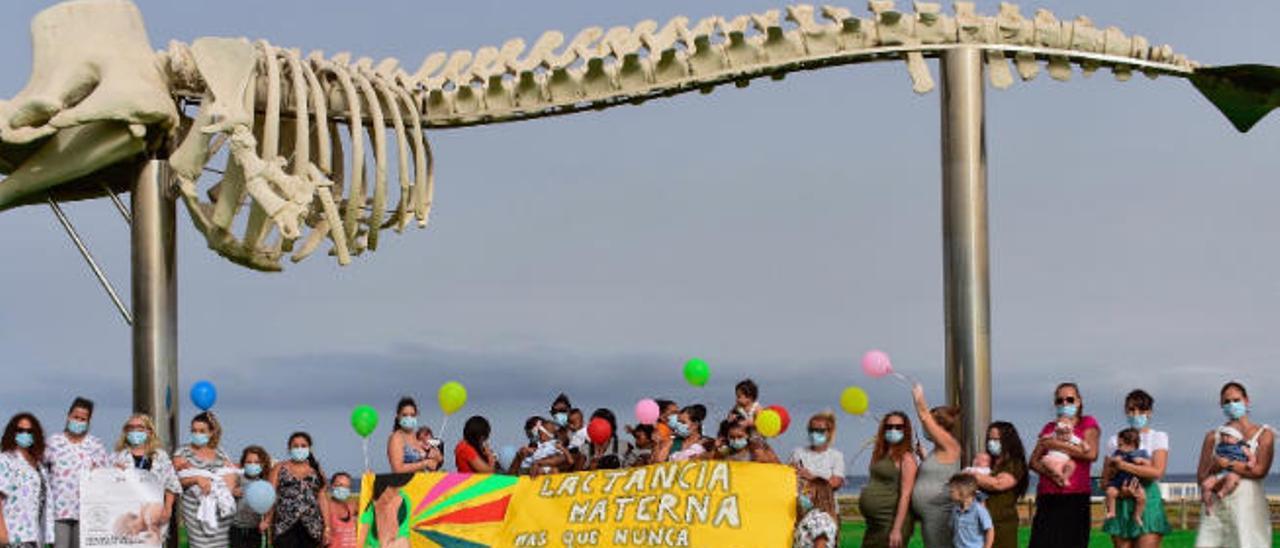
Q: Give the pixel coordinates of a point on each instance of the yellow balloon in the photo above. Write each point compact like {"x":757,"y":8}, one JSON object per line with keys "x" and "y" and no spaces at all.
{"x":452,"y":397}
{"x":854,"y":400}
{"x":769,"y":423}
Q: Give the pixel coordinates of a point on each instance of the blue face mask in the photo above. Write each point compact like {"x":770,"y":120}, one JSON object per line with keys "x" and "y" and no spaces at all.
{"x":1234,"y":410}
{"x":561,"y":419}
{"x":409,"y":423}
{"x":252,"y":470}
{"x":805,"y":503}
{"x":993,"y":447}
{"x":341,"y":493}
{"x":77,"y":428}
{"x":817,"y":439}
{"x":738,"y":444}
{"x":1067,"y":410}
{"x":199,"y":440}
{"x":1138,"y":421}
{"x":672,"y":421}
{"x":299,"y":454}
{"x":894,"y":437}
{"x":136,"y":437}
{"x":25,"y":439}
{"x":681,"y":429}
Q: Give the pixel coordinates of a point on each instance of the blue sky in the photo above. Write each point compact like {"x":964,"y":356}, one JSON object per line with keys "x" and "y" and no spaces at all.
{"x":777,"y":231}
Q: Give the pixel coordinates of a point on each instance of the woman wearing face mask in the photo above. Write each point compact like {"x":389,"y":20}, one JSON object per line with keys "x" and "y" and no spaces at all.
{"x":139,"y":449}
{"x":735,"y":443}
{"x":69,"y":453}
{"x":23,"y":495}
{"x":255,"y":464}
{"x":1062,"y":516}
{"x":560,"y":410}
{"x":687,"y":430}
{"x":885,"y":502}
{"x":298,"y":519}
{"x":1125,"y":530}
{"x":404,"y":451}
{"x":1006,"y":482}
{"x":819,"y":462}
{"x":930,"y":496}
{"x":204,"y":454}
{"x":342,"y":511}
{"x":1240,"y":519}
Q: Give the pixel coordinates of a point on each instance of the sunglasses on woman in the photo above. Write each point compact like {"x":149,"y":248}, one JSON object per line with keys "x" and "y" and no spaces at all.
{"x":898,"y":427}
{"x":1066,"y":400}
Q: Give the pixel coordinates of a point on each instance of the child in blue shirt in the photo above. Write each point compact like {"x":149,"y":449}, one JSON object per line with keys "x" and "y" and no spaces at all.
{"x":969,"y":518}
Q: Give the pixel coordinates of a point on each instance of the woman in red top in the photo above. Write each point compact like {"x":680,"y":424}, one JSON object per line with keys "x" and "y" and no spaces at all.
{"x":1062,"y":510}
{"x":473,"y":455}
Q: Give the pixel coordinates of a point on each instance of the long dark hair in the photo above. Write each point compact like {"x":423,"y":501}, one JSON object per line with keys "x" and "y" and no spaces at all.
{"x":1011,"y":450}
{"x":10,"y":440}
{"x":475,"y":432}
{"x":311,"y":455}
{"x":897,"y":450}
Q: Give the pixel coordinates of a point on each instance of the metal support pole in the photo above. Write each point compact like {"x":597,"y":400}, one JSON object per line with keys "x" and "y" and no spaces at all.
{"x":88,"y":258}
{"x":964,"y":243}
{"x":155,"y":300}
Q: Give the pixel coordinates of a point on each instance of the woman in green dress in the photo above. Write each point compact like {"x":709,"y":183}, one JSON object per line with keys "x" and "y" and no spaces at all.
{"x":1006,"y":483}
{"x":1125,"y":531}
{"x":885,"y":502}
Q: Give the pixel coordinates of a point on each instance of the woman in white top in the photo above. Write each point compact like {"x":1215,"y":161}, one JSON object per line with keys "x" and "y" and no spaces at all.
{"x":819,"y":461}
{"x":1125,"y":530}
{"x":1241,"y":519}
{"x":139,"y":448}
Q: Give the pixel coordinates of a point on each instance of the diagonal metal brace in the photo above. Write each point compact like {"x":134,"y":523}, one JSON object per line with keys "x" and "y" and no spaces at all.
{"x":88,"y":258}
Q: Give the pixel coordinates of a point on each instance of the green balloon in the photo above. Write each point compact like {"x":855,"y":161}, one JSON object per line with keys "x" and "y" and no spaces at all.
{"x":364,"y":419}
{"x":696,"y":371}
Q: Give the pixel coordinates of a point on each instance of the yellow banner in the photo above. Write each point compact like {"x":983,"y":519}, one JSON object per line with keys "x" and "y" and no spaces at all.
{"x":702,"y":503}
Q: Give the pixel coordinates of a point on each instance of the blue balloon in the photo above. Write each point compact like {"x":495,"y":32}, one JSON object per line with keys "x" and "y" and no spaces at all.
{"x":204,"y":395}
{"x":506,"y":455}
{"x":260,"y":496}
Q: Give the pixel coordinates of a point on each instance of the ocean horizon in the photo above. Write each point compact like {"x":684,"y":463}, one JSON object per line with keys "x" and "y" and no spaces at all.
{"x":853,"y":484}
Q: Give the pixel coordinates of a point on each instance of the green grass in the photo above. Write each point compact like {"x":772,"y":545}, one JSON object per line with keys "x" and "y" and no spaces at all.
{"x":851,"y":535}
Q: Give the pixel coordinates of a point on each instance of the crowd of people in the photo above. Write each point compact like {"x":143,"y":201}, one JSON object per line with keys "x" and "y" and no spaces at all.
{"x":910,"y":482}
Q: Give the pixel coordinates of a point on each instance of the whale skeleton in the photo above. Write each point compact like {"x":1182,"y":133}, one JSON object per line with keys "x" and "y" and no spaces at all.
{"x":306,"y":141}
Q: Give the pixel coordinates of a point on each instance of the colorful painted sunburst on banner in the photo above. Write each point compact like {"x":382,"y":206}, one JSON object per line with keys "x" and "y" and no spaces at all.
{"x":445,"y":510}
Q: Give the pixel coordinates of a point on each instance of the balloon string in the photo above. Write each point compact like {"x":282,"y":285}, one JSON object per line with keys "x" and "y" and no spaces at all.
{"x":443,"y":425}
{"x":365,"y":443}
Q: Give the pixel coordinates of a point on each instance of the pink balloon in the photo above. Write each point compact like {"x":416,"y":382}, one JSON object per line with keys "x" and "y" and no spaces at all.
{"x":647,"y":411}
{"x":876,"y":364}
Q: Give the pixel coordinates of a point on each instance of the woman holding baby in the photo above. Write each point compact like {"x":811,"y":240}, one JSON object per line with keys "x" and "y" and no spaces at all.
{"x":1130,"y":524}
{"x":1062,"y":457}
{"x":1240,"y":518}
{"x":1001,"y":473}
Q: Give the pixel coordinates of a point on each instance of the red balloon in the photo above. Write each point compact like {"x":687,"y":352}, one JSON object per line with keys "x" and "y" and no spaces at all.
{"x":782,"y":412}
{"x":599,"y":431}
